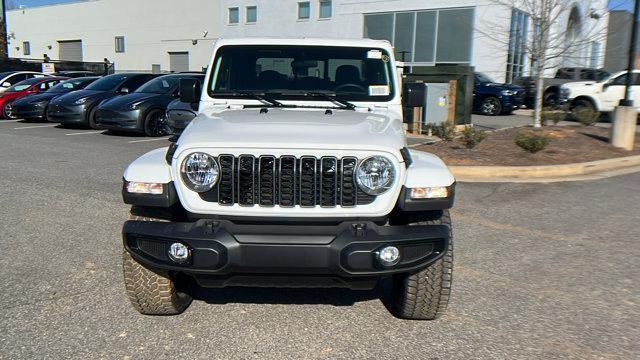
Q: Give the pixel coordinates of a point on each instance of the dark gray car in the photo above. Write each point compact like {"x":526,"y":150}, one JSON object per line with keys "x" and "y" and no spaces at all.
{"x":79,"y":107}
{"x":180,"y":114}
{"x":144,"y":110}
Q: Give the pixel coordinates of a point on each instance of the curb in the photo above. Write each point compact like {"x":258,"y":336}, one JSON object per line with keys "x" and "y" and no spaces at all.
{"x":544,"y":173}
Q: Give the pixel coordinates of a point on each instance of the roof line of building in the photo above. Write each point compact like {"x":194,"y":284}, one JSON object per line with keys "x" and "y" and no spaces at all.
{"x":49,"y":5}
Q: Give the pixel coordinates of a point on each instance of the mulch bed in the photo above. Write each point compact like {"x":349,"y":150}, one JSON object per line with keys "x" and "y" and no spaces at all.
{"x":568,"y":144}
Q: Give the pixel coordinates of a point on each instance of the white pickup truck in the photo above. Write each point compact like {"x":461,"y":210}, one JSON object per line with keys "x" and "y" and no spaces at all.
{"x":603,"y":95}
{"x":295,"y":172}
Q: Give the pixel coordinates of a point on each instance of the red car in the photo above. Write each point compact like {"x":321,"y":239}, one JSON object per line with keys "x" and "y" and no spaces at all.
{"x":24,"y":88}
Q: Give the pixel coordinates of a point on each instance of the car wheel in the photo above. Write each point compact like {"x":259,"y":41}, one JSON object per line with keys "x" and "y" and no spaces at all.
{"x":550,"y":99}
{"x":7,"y":111}
{"x":155,"y":123}
{"x":92,"y":118}
{"x":582,"y":104}
{"x":491,"y":106}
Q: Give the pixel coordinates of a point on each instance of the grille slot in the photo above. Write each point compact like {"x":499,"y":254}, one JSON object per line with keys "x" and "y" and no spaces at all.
{"x":287,"y":181}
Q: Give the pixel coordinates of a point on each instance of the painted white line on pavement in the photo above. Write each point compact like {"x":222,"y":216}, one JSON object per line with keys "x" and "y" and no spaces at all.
{"x":84,"y":133}
{"x":10,"y":121}
{"x":35,"y":127}
{"x":146,"y":140}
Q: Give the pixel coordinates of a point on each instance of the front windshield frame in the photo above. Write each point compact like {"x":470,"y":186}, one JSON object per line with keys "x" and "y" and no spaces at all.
{"x":484,"y":79}
{"x":104,"y":80}
{"x":290,"y":93}
{"x":60,"y":87}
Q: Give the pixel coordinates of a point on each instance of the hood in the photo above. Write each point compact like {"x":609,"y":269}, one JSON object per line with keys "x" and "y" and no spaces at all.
{"x":503,"y":86}
{"x":78,"y":94}
{"x":579,"y":84}
{"x":122,"y":102}
{"x":295,"y":129}
{"x":45,"y":96}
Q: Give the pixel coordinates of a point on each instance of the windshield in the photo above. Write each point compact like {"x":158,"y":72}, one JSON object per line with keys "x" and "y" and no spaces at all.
{"x":291,"y":72}
{"x":23,"y":85}
{"x":482,"y":78}
{"x":161,"y":85}
{"x":69,"y":85}
{"x":107,"y":83}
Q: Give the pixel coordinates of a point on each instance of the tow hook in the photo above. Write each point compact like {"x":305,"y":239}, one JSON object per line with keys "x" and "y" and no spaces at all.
{"x":359,"y":230}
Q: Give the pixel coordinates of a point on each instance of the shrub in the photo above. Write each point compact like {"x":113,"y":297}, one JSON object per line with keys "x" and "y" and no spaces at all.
{"x":531,"y":142}
{"x":586,"y":115}
{"x":553,"y":115}
{"x":446,"y":130}
{"x":473,"y":137}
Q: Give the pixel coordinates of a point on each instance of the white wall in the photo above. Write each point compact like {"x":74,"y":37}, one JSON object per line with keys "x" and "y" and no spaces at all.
{"x":151,"y":28}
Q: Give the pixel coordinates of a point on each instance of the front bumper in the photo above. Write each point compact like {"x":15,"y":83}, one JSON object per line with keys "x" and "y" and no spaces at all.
{"x":29,"y":111}
{"x":109,"y":119}
{"x":510,"y":103}
{"x":224,"y":253}
{"x":75,"y":114}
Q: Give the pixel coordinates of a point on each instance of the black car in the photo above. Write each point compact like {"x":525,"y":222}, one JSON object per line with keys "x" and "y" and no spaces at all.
{"x":34,"y":107}
{"x":179,"y":115}
{"x":79,"y":107}
{"x":76,"y":73}
{"x":144,"y":110}
{"x":491,"y":98}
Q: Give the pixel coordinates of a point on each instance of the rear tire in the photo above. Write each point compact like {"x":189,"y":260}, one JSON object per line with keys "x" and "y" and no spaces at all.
{"x":7,"y":112}
{"x":152,"y":291}
{"x":425,"y":295}
{"x":491,"y":106}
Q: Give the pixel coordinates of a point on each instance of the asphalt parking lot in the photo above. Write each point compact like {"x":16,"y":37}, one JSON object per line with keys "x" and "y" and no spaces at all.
{"x":541,"y":272}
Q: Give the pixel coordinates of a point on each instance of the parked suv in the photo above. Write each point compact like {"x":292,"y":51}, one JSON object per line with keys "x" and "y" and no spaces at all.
{"x":491,"y":98}
{"x":296,"y":172}
{"x":602,"y":96}
{"x":551,"y":94}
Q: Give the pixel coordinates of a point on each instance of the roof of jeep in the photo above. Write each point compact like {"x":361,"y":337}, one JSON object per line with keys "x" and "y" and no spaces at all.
{"x":304,"y":41}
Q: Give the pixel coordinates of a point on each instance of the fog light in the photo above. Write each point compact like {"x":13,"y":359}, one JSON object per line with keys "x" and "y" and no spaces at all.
{"x":135,"y":187}
{"x":389,"y":255}
{"x":430,"y":192}
{"x":179,"y":253}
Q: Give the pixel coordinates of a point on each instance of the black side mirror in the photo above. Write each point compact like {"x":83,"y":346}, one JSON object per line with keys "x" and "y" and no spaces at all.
{"x":414,"y":95}
{"x":190,"y":91}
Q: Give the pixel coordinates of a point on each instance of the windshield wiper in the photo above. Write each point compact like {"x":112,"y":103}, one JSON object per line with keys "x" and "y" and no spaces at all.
{"x":262,"y":97}
{"x":333,"y":98}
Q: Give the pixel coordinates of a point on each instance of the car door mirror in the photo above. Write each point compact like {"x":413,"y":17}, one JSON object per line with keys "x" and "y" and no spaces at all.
{"x":124,"y":90}
{"x":6,"y":84}
{"x":414,"y":95}
{"x":190,"y":91}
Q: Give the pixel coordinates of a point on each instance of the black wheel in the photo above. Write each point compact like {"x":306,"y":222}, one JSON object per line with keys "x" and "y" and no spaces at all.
{"x":45,"y":116}
{"x":582,"y":104}
{"x":7,"y":110}
{"x":491,"y":106}
{"x":425,"y":295}
{"x":152,"y":291}
{"x":92,"y":118}
{"x":550,"y":99}
{"x":155,"y":123}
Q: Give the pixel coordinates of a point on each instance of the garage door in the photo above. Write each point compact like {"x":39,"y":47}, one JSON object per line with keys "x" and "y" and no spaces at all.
{"x":179,"y":61}
{"x":70,"y":50}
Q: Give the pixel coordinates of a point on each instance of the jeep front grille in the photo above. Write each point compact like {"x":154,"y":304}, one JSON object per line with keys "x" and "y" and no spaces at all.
{"x":287,"y":181}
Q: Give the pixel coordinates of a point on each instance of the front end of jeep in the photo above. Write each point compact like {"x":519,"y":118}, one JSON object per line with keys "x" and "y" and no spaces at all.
{"x":306,"y":184}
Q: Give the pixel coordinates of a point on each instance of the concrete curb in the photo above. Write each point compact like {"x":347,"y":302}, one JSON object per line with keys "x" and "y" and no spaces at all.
{"x":544,"y":173}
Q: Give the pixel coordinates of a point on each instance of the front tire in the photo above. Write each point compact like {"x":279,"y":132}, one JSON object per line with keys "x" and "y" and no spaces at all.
{"x":425,"y":295}
{"x":7,"y":111}
{"x":491,"y":106}
{"x":152,"y":291}
{"x":155,"y":123}
{"x":91,"y":119}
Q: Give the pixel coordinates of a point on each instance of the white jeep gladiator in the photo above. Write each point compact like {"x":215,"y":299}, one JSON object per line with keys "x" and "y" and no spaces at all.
{"x":603,"y":95}
{"x":295,"y":172}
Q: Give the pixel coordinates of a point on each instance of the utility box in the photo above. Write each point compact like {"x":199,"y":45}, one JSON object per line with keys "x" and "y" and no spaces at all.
{"x":437,"y":110}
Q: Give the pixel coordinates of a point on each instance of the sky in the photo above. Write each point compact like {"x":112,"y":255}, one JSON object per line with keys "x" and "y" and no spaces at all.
{"x":613,"y":4}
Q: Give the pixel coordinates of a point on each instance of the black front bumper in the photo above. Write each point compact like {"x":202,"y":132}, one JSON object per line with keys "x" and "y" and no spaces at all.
{"x":110,"y":119}
{"x":224,"y":253}
{"x":30,"y":111}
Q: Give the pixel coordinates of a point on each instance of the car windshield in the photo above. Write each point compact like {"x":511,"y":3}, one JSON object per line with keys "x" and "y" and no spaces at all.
{"x":107,"y":83}
{"x":23,"y":85}
{"x":161,"y":85}
{"x":297,"y":72}
{"x":482,"y":78}
{"x":69,"y":85}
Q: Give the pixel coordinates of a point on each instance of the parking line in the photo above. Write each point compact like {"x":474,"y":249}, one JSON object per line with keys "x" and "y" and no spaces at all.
{"x":10,"y":121}
{"x":84,"y":133}
{"x":35,"y":127}
{"x":146,"y":140}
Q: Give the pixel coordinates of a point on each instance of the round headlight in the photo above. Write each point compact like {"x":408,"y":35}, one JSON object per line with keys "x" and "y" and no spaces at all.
{"x":375,"y":175}
{"x":200,"y":172}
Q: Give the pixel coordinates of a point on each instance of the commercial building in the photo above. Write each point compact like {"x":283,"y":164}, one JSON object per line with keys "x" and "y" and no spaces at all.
{"x":166,"y":35}
{"x":141,"y":35}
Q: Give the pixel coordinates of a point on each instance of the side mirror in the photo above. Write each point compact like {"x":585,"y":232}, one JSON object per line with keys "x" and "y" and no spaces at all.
{"x":6,"y":84}
{"x":124,"y":90}
{"x":414,"y":95}
{"x":190,"y":91}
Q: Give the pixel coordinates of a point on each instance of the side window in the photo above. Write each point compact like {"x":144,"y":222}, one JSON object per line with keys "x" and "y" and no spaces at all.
{"x":135,"y":82}
{"x":16,"y":79}
{"x":587,"y":74}
{"x":43,"y":86}
{"x":620,"y":80}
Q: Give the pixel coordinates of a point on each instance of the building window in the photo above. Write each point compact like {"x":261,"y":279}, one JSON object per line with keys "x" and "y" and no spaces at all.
{"x":234,"y":15}
{"x":304,"y":10}
{"x":595,"y":55}
{"x":119,"y":44}
{"x":252,"y":14}
{"x":516,"y":55}
{"x":325,"y":9}
{"x":26,"y":48}
{"x":422,"y":38}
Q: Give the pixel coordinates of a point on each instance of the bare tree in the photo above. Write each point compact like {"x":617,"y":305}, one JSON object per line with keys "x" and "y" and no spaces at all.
{"x":559,"y":36}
